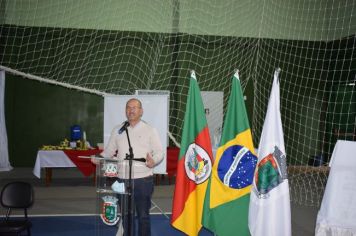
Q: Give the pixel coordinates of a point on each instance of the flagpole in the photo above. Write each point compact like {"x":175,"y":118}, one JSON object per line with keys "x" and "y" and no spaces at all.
{"x":192,"y":74}
{"x":276,"y":72}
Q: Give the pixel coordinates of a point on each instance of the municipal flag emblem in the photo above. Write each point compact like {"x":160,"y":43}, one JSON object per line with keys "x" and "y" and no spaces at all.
{"x":110,"y":170}
{"x":236,"y":167}
{"x":109,"y":213}
{"x":197,"y":163}
{"x":271,"y":172}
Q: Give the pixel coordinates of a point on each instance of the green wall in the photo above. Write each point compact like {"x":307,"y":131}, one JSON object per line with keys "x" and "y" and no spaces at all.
{"x":2,"y":12}
{"x":41,"y":114}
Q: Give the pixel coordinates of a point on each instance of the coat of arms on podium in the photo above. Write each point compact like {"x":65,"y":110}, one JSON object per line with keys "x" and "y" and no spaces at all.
{"x":110,"y":170}
{"x":109,"y":213}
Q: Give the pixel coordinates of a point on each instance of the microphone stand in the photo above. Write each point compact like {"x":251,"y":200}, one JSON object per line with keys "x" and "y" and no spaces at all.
{"x":129,"y":157}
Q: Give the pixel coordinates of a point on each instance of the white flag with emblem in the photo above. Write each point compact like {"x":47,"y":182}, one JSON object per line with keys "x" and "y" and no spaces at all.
{"x":269,"y":212}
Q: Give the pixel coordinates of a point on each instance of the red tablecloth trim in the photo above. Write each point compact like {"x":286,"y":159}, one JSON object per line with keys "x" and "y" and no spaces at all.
{"x":84,"y":165}
{"x":88,"y":168}
{"x":172,"y":160}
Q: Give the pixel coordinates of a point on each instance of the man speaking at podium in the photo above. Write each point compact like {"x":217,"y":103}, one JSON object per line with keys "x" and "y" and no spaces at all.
{"x":147,"y":152}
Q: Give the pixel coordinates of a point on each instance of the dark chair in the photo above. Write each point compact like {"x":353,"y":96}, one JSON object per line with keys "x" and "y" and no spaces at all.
{"x":16,"y":195}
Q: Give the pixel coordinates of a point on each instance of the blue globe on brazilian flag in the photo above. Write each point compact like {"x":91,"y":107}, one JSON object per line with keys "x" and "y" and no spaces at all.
{"x":236,"y":167}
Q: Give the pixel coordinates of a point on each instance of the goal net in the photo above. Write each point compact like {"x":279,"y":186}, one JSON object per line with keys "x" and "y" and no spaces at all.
{"x":118,"y":47}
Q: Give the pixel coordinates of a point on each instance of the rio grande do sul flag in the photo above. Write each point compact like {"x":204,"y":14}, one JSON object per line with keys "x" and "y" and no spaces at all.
{"x":228,"y":193}
{"x":269,"y":213}
{"x":194,"y":165}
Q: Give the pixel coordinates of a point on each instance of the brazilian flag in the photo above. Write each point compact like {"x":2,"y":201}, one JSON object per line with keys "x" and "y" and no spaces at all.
{"x":227,"y":199}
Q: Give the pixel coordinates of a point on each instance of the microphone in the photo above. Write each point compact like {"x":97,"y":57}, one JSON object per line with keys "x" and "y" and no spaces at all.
{"x":135,"y":159}
{"x":124,"y":127}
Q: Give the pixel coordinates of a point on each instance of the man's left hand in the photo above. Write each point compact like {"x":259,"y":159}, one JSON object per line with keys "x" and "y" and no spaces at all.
{"x":149,"y":161}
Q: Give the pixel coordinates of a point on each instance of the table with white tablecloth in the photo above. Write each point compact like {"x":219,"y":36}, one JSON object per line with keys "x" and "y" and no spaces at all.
{"x":49,"y":159}
{"x":337,"y":214}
